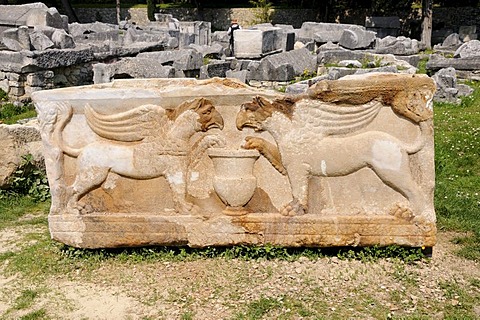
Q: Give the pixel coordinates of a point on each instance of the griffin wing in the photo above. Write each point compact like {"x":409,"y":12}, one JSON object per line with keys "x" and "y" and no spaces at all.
{"x":133,"y":125}
{"x":331,"y":119}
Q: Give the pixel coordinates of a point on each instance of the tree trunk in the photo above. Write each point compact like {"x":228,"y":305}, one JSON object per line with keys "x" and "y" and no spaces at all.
{"x":67,"y":6}
{"x":118,"y":12}
{"x":427,"y":20}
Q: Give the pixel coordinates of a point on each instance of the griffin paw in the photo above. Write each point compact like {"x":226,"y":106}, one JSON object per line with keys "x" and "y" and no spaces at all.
{"x":294,"y":208}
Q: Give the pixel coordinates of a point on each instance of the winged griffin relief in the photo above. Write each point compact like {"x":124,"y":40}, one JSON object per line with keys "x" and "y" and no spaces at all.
{"x":320,"y":134}
{"x":143,"y":143}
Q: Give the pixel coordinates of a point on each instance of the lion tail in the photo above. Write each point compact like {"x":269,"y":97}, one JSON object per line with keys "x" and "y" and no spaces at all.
{"x":420,"y":142}
{"x":64,"y":115}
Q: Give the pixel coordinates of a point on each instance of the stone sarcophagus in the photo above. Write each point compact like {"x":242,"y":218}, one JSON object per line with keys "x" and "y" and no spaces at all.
{"x":215,"y":162}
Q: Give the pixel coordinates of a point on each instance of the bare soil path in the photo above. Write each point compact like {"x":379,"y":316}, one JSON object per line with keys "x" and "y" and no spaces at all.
{"x":445,"y":286}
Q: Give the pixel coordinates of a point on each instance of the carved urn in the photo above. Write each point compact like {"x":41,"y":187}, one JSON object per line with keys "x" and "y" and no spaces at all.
{"x":234,"y":181}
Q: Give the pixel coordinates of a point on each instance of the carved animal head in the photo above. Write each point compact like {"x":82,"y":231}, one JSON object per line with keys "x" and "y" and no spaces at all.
{"x":209,"y":117}
{"x":253,"y":114}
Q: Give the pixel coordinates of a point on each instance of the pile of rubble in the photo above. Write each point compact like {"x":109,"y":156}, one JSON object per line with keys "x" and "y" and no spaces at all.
{"x":41,"y":50}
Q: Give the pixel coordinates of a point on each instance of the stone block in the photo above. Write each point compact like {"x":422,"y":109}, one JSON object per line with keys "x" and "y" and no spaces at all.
{"x":356,"y":38}
{"x":168,"y":162}
{"x":325,"y":32}
{"x":284,"y":66}
{"x":397,"y":46}
{"x":200,"y":30}
{"x":183,"y":59}
{"x":40,"y":41}
{"x":131,"y":68}
{"x":215,"y":69}
{"x":256,"y":43}
{"x":468,"y":49}
{"x":30,"y":15}
{"x":16,"y":39}
{"x":239,"y":75}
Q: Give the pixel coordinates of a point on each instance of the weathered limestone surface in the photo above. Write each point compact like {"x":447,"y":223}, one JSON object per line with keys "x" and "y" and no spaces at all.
{"x":216,"y":162}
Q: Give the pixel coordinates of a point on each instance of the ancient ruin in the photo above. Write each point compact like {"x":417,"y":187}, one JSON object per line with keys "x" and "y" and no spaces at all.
{"x":142,"y":162}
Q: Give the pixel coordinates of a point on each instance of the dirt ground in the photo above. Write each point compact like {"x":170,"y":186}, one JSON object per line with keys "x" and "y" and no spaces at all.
{"x":446,"y":286}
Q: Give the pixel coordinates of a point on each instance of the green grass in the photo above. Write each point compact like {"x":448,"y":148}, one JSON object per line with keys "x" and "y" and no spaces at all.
{"x":457,"y":166}
{"x":10,"y":113}
{"x":13,"y":207}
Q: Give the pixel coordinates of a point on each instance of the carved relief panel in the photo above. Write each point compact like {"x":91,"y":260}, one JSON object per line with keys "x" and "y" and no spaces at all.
{"x":215,"y":162}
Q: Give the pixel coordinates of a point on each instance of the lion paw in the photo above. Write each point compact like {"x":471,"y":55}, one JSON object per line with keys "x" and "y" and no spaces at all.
{"x":402,"y":212}
{"x":294,"y":208}
{"x":254,"y":143}
{"x":187,"y":208}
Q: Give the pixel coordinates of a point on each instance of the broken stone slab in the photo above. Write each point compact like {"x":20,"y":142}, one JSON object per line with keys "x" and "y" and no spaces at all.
{"x":215,"y":69}
{"x":146,"y":162}
{"x":18,"y":141}
{"x":131,"y":68}
{"x":33,"y":61}
{"x":62,"y":40}
{"x":215,"y":51}
{"x":284,"y":66}
{"x":437,"y":62}
{"x":350,"y":63}
{"x":183,"y":59}
{"x":30,"y":15}
{"x":200,"y":30}
{"x":17,"y":39}
{"x":448,"y":90}
{"x":356,"y":38}
{"x":112,"y":50}
{"x":239,"y":75}
{"x":133,"y":36}
{"x":397,"y":46}
{"x":468,"y":49}
{"x":40,"y":41}
{"x":80,"y":30}
{"x":382,"y":60}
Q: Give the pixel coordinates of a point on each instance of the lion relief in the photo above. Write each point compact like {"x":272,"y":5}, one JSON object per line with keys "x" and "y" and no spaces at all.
{"x":314,"y":138}
{"x":143,"y":143}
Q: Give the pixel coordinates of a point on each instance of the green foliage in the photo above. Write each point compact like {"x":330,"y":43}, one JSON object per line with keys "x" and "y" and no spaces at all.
{"x":3,"y":96}
{"x":13,"y":206}
{"x":374,"y":253}
{"x":25,"y":299}
{"x":29,"y":180}
{"x":10,"y":113}
{"x":457,"y":169}
{"x":263,"y":12}
{"x":258,"y":308}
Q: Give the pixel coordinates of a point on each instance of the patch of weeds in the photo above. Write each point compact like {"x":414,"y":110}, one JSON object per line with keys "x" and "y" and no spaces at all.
{"x":306,"y":75}
{"x":35,"y":315}
{"x":257,"y":309}
{"x":26,"y":299}
{"x":29,"y":180}
{"x":188,"y":315}
{"x":11,"y":113}
{"x":374,"y":253}
{"x":3,"y":96}
{"x":13,"y":206}
{"x":422,"y":66}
